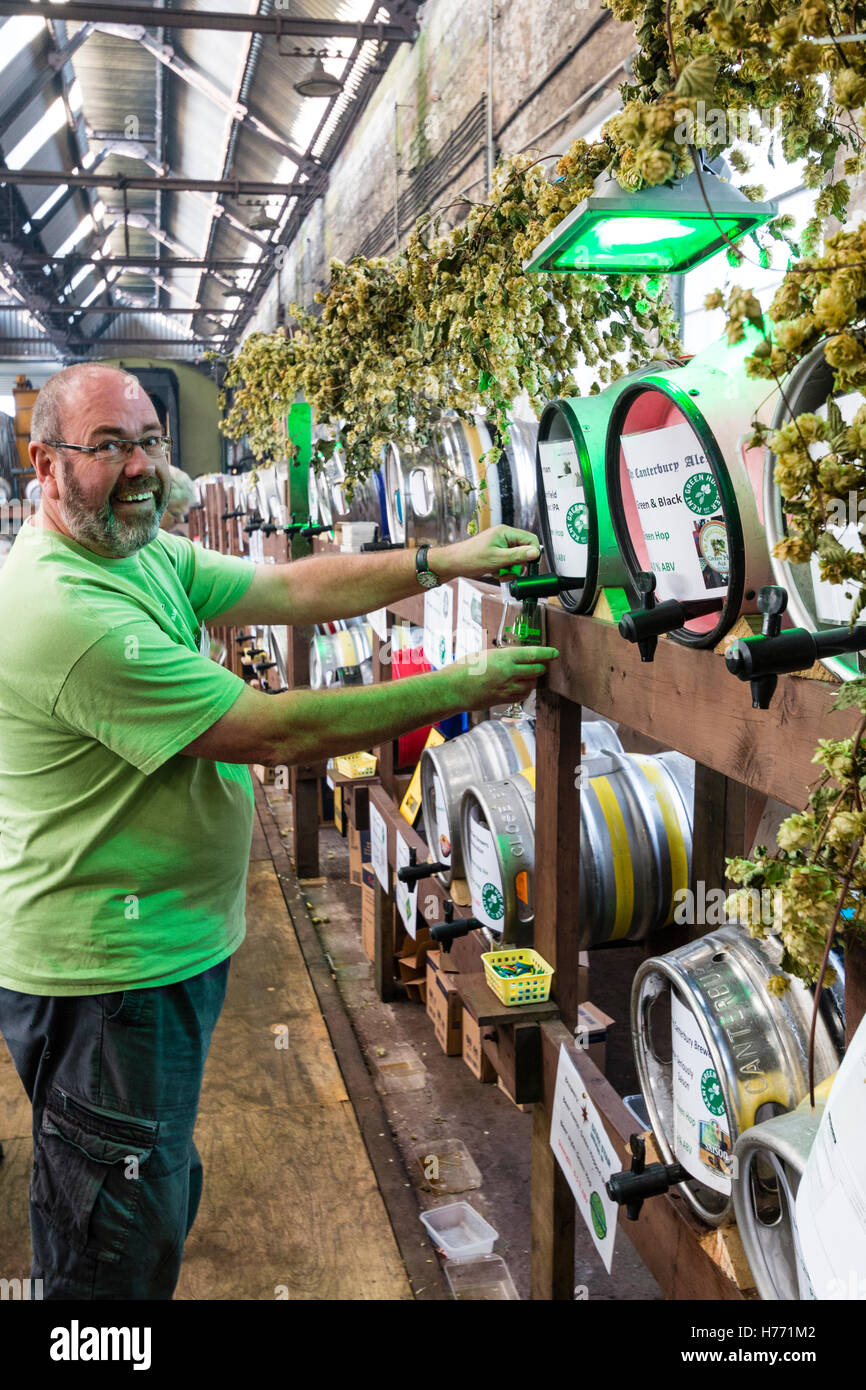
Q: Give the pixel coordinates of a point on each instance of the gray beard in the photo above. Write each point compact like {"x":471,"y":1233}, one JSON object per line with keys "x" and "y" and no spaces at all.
{"x":103,"y":528}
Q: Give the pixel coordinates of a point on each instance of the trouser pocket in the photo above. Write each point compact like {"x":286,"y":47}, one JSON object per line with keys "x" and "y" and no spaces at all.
{"x":87,"y":1172}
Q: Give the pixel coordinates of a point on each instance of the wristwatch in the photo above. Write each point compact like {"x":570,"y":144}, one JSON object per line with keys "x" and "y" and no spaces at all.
{"x":426,"y":578}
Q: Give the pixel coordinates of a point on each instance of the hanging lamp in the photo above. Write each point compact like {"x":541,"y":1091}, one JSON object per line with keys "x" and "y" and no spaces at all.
{"x":666,"y":229}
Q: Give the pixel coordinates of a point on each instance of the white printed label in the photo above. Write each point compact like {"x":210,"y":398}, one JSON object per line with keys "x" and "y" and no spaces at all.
{"x":470,"y":633}
{"x":584,"y":1153}
{"x":407,"y":897}
{"x":831,"y":603}
{"x":680,"y":510}
{"x":567,"y":512}
{"x":831,"y":1199}
{"x":442,"y":848}
{"x":379,"y":847}
{"x":439,"y":626}
{"x":379,"y":623}
{"x":702,"y":1139}
{"x":485,"y":879}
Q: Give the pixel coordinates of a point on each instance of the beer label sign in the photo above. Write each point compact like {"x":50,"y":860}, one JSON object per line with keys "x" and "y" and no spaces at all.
{"x":470,"y":633}
{"x":585,"y":1154}
{"x":680,"y":509}
{"x":379,"y":847}
{"x":567,"y":510}
{"x":485,"y":880}
{"x":702,"y":1134}
{"x":407,"y":896}
{"x":831,"y":1198}
{"x":442,"y":848}
{"x":439,"y":626}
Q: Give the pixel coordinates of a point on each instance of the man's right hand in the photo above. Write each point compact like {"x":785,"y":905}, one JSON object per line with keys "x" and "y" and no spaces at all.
{"x":501,"y":675}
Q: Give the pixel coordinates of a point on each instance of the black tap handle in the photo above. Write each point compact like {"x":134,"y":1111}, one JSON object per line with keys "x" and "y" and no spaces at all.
{"x":761,"y":659}
{"x":772,"y":602}
{"x":265,"y":665}
{"x":246,"y":637}
{"x":645,"y":625}
{"x":253,"y":526}
{"x":632,"y":1187}
{"x":309,"y":531}
{"x":413,"y":872}
{"x":645,"y":586}
{"x":227,"y":516}
{"x":448,"y":931}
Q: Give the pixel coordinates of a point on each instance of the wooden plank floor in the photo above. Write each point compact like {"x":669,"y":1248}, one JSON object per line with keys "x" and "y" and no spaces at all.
{"x":290,"y":1207}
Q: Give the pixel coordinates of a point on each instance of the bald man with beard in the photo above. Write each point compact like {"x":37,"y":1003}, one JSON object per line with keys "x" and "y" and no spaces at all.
{"x":126,"y":810}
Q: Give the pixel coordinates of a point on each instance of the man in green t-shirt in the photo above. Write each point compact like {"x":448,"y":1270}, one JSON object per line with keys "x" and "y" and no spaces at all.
{"x":126,"y":811}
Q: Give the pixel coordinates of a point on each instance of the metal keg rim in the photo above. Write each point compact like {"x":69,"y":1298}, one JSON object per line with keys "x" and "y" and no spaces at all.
{"x":562,"y":408}
{"x":785,"y":571}
{"x":393,"y":460}
{"x":788,"y":1140}
{"x":478,"y":795}
{"x":695,"y":417}
{"x":751,"y":954}
{"x":645,"y":969}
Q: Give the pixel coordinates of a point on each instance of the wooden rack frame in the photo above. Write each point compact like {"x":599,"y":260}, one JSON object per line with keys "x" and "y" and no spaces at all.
{"x":685,"y":700}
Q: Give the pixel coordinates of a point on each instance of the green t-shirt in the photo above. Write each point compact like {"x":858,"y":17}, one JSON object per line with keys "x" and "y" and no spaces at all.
{"x":122,"y":862}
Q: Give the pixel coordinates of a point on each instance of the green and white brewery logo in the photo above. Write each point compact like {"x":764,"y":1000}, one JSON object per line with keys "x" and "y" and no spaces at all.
{"x":494,"y":903}
{"x":701,"y":495}
{"x":596,"y":1211}
{"x":713,"y":545}
{"x":576,"y":521}
{"x":711,"y":1093}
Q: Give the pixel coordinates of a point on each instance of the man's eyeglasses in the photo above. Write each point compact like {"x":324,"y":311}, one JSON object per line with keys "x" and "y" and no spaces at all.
{"x":156,"y":446}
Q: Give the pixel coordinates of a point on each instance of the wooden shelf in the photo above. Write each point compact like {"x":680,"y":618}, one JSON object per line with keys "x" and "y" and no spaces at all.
{"x":689,"y":701}
{"x":485,"y":1008}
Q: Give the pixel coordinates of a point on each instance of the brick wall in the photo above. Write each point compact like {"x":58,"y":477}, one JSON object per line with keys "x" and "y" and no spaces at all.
{"x":549,"y":61}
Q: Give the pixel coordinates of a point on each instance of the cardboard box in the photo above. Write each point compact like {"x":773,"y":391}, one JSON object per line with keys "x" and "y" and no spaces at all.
{"x":359,"y":853}
{"x":368,"y":922}
{"x":339,"y":811}
{"x":591,"y":1032}
{"x":474,"y":1055}
{"x":444,"y":1008}
{"x":368,"y":876}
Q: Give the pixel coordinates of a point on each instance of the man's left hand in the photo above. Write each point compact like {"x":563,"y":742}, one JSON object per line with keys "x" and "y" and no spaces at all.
{"x":486,"y":554}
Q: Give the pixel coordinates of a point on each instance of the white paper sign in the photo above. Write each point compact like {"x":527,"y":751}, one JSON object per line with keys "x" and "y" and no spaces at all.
{"x":831,"y":1200}
{"x":585,"y":1155}
{"x":702,"y":1135}
{"x":680,"y":510}
{"x":407,"y":898}
{"x":470,"y":633}
{"x":442,"y":847}
{"x":439,"y":626}
{"x":379,"y":847}
{"x":379,"y":623}
{"x":485,"y":880}
{"x":567,"y":512}
{"x":831,"y":605}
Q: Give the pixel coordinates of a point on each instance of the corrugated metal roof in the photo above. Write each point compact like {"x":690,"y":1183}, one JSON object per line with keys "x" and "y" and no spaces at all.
{"x":138,"y":116}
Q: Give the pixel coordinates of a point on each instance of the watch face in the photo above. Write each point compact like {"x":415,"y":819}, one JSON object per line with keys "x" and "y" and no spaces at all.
{"x":427,"y":579}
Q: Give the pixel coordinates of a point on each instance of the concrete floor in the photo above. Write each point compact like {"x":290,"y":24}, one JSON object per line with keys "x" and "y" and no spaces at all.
{"x":436,"y":1097}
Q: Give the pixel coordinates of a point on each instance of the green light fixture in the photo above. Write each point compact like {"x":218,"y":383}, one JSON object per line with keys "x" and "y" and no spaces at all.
{"x":666,"y":229}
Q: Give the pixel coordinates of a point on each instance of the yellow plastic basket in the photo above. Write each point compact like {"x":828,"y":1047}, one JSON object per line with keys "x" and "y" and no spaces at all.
{"x":523,"y":989}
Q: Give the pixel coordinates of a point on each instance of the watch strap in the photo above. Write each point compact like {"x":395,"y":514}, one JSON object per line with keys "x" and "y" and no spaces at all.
{"x":423,"y":570}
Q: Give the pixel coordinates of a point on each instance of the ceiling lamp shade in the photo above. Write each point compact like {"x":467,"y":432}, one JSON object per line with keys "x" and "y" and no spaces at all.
{"x":666,"y":229}
{"x":319,"y":83}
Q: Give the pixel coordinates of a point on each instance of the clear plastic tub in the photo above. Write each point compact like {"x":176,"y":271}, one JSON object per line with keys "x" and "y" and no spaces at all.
{"x":481,"y":1281}
{"x":459,"y":1232}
